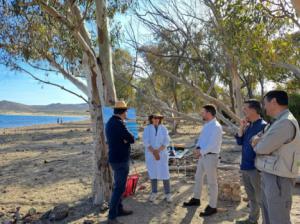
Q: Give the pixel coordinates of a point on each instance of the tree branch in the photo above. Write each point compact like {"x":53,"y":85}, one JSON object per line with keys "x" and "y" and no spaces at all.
{"x":292,"y":68}
{"x":68,"y":76}
{"x":50,"y":83}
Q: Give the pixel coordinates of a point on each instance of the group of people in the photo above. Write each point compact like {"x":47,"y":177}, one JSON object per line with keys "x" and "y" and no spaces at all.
{"x":269,"y":162}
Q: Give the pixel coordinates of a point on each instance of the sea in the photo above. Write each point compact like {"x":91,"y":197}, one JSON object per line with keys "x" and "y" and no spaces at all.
{"x":10,"y":121}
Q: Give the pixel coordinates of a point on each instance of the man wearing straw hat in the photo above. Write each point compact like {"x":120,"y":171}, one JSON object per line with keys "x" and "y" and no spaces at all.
{"x":119,"y":140}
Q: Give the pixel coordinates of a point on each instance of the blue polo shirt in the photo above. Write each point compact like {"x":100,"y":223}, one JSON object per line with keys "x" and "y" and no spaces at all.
{"x":248,"y":154}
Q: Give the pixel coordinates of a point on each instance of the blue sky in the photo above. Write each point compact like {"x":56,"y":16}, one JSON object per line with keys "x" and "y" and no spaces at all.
{"x":21,"y":88}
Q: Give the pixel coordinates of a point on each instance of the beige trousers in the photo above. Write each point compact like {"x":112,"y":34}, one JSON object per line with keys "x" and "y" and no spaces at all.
{"x":207,"y":165}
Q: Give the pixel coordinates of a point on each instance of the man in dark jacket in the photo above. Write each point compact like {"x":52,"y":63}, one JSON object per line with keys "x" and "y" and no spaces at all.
{"x":250,"y":126}
{"x":119,"y":140}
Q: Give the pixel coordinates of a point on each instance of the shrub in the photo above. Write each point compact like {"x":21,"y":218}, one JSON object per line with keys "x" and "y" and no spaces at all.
{"x":294,"y":105}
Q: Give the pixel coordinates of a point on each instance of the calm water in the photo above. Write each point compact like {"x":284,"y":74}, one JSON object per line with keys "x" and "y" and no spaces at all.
{"x":9,"y":121}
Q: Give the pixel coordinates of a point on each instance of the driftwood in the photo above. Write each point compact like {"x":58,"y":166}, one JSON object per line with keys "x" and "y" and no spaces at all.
{"x":189,"y":168}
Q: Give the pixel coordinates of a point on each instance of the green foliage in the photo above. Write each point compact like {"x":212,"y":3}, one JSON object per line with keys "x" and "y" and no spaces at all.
{"x":294,"y":105}
{"x":256,"y":40}
{"x":122,"y":65}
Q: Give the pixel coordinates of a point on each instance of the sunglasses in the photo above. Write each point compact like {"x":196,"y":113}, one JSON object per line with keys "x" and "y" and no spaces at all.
{"x":156,"y":117}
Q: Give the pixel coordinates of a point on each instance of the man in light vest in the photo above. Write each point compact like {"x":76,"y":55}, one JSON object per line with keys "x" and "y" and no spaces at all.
{"x":278,"y":158}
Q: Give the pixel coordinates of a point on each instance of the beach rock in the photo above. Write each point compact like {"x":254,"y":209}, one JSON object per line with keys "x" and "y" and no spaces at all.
{"x":65,"y":143}
{"x":104,"y":207}
{"x":59,"y":212}
{"x":7,"y":222}
{"x":88,"y":130}
{"x":51,"y":170}
{"x":46,"y":215}
{"x":88,"y":222}
{"x":1,"y":214}
{"x":41,"y":222}
{"x":31,"y":211}
{"x":229,"y":185}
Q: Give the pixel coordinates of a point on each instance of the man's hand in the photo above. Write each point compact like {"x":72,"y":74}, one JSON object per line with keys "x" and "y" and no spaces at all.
{"x":255,"y":140}
{"x":243,"y":125}
{"x":197,"y":153}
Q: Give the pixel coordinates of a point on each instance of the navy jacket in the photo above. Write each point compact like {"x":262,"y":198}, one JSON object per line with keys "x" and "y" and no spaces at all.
{"x":248,"y":154}
{"x":119,"y":139}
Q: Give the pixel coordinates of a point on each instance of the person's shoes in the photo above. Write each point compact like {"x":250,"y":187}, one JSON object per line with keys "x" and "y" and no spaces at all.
{"x":168,"y":198}
{"x":152,"y":197}
{"x":125,"y":212}
{"x":192,"y":202}
{"x":114,"y":221}
{"x":208,"y":211}
{"x":245,"y":221}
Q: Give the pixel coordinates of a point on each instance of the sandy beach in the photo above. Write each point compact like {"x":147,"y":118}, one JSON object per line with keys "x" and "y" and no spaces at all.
{"x":47,"y":165}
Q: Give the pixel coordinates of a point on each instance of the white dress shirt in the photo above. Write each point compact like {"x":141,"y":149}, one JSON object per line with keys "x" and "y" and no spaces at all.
{"x":210,"y":138}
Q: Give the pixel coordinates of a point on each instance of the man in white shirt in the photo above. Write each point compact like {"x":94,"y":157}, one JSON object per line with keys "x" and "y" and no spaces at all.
{"x":207,"y":151}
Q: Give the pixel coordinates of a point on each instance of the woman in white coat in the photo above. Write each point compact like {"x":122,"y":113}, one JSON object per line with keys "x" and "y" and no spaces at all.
{"x":156,"y":139}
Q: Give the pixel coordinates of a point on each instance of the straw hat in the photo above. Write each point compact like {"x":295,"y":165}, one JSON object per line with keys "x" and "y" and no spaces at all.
{"x":157,"y":115}
{"x":120,"y":105}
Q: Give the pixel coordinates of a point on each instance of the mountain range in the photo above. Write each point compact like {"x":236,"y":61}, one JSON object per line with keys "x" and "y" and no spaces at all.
{"x":12,"y":107}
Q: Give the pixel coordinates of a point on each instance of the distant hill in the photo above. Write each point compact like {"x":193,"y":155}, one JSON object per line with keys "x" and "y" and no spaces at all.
{"x":12,"y":107}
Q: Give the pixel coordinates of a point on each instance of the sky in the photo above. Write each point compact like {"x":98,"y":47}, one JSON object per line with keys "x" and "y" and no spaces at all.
{"x":21,"y":88}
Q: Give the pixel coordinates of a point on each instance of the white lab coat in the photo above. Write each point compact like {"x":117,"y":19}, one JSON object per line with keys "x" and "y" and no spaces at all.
{"x":157,"y":169}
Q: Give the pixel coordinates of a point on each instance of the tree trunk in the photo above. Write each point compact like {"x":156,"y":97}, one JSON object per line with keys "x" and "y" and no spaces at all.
{"x":97,"y":83}
{"x":236,"y":87}
{"x":178,"y":107}
{"x":102,"y":183}
{"x":105,"y":56}
{"x":249,"y":89}
{"x":174,"y":122}
{"x":231,"y":96}
{"x":262,"y":88}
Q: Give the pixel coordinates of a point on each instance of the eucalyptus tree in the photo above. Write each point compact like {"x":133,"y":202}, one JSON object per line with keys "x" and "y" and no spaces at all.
{"x":72,"y":39}
{"x":288,"y":11}
{"x":230,"y":45}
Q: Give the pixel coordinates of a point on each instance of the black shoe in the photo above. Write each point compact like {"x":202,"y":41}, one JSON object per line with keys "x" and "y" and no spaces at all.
{"x":192,"y":202}
{"x":124,"y":212}
{"x":208,"y":211}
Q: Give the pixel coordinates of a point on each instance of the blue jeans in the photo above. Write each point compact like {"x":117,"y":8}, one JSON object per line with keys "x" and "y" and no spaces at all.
{"x":120,"y":172}
{"x":166,"y":186}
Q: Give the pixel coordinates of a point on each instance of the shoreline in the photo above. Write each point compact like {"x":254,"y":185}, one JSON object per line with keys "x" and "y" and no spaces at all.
{"x":62,"y":114}
{"x":85,"y":121}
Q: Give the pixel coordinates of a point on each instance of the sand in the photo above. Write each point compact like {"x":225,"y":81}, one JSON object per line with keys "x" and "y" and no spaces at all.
{"x":47,"y":165}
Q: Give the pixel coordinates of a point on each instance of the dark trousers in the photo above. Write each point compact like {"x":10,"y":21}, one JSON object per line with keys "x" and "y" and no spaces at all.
{"x":120,"y":172}
{"x":277,"y":198}
{"x":251,"y":179}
